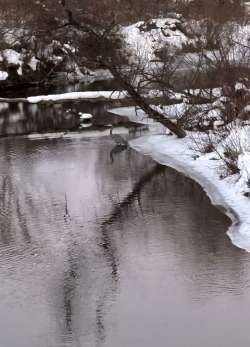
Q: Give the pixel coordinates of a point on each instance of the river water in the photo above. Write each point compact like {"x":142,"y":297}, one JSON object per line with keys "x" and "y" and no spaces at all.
{"x":103,"y":247}
{"x":23,"y":118}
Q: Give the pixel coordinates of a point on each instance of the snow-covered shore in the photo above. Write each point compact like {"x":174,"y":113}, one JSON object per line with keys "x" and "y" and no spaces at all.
{"x":105,"y":95}
{"x":224,"y":193}
{"x":58,"y":98}
{"x":100,"y":95}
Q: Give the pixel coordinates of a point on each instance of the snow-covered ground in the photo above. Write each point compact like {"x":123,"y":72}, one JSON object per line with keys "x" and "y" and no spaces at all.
{"x":145,"y":38}
{"x":226,"y":193}
{"x":135,"y":114}
{"x":208,"y":114}
{"x":77,"y":96}
{"x":57,"y":98}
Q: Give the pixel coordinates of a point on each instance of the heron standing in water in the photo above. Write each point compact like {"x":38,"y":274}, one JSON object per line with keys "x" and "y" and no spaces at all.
{"x":118,"y":139}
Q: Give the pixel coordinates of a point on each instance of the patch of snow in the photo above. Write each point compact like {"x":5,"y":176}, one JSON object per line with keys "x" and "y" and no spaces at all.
{"x":12,"y":57}
{"x":3,"y":75}
{"x":47,"y":136}
{"x":218,"y":123}
{"x":213,"y":92}
{"x":133,"y":114}
{"x":20,"y":71}
{"x":246,"y":109}
{"x":240,"y":86}
{"x":33,"y":63}
{"x":85,"y":116}
{"x":68,"y":48}
{"x":57,"y":59}
{"x":85,"y":125}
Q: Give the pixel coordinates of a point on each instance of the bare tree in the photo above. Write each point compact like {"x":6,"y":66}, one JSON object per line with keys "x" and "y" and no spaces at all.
{"x":99,"y":41}
{"x":93,"y":29}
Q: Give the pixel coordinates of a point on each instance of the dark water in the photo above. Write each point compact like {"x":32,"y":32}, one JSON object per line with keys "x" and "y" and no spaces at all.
{"x":113,"y":253}
{"x":62,"y":87}
{"x":20,"y":118}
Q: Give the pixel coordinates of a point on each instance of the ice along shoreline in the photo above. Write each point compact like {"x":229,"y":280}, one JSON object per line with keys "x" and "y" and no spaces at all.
{"x":224,"y":194}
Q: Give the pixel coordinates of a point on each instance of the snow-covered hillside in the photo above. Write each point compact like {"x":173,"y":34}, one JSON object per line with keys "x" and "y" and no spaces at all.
{"x":146,"y":38}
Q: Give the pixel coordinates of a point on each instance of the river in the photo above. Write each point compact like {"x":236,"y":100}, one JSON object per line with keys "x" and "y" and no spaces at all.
{"x":100,"y":247}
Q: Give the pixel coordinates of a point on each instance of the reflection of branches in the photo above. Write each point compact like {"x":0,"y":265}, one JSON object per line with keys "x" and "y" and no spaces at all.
{"x":71,"y":276}
{"x":69,"y":286}
{"x":118,"y":210}
{"x":22,"y":221}
{"x":66,"y":210}
{"x":5,"y":204}
{"x":100,"y":327}
{"x":117,"y":213}
{"x":107,"y":243}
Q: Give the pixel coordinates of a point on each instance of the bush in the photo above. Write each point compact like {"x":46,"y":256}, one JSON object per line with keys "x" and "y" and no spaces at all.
{"x":228,"y":144}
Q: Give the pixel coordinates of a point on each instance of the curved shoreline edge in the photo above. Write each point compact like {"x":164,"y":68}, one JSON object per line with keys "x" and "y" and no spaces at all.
{"x":175,"y":153}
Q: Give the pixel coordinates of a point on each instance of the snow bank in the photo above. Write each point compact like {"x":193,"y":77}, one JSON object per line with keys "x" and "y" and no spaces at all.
{"x":135,"y":114}
{"x":208,"y":113}
{"x":78,"y":96}
{"x":98,"y":95}
{"x":226,"y":193}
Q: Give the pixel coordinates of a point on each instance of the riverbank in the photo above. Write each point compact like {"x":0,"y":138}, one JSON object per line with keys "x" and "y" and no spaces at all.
{"x":99,"y":95}
{"x":224,"y":193}
{"x":65,"y":97}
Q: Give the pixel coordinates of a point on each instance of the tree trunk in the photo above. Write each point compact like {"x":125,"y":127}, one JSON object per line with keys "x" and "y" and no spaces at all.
{"x":142,"y":103}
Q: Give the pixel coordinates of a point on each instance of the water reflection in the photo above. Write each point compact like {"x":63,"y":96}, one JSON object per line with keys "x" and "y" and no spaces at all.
{"x":128,"y":253}
{"x":22,"y":118}
{"x":95,"y":85}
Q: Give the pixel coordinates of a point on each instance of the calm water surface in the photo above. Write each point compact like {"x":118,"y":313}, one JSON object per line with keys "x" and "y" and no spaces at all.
{"x":23,"y":118}
{"x":119,"y":252}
